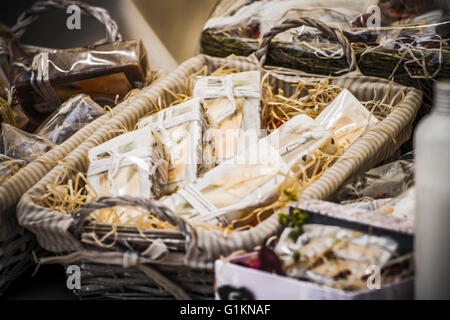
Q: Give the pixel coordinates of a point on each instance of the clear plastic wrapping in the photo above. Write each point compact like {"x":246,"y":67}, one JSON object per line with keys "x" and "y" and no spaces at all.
{"x":347,"y":118}
{"x":70,"y":117}
{"x":233,"y":188}
{"x":104,"y":72}
{"x":6,"y":113}
{"x":251,"y":179}
{"x":133,"y":164}
{"x":327,"y":254}
{"x":181,"y":127}
{"x":21,"y":145}
{"x":402,"y":39}
{"x":402,"y":206}
{"x":10,"y":49}
{"x":232,"y":104}
{"x":386,"y":181}
{"x":298,"y":139}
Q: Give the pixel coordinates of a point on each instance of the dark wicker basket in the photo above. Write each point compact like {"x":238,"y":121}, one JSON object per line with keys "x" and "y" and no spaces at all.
{"x":167,"y":277}
{"x":15,"y":257}
{"x":99,"y":281}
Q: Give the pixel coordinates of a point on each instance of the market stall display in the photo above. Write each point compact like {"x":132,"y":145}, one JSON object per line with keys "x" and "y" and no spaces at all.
{"x":62,"y":214}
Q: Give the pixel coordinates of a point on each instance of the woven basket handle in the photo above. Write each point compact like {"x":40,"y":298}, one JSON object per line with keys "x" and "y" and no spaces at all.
{"x":332,"y":32}
{"x":157,"y":210}
{"x":41,"y":7}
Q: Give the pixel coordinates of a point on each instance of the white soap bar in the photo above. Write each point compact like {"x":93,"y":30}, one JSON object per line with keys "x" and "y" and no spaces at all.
{"x":132,"y":164}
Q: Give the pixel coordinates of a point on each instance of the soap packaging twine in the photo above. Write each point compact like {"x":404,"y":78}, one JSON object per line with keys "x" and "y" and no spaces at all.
{"x":104,"y":72}
{"x":232,"y":104}
{"x":133,"y":164}
{"x":70,"y":117}
{"x":181,"y":127}
{"x":251,"y":179}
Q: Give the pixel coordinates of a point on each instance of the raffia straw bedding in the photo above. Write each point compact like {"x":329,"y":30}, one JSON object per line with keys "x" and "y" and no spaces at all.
{"x":200,"y":247}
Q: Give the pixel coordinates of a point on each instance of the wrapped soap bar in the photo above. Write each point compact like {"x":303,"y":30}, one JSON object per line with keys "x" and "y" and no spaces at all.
{"x":346,"y":118}
{"x":233,"y":188}
{"x":21,"y":145}
{"x":132,"y":164}
{"x":297,"y":139}
{"x":232,"y":104}
{"x":70,"y":117}
{"x":181,"y":127}
{"x":328,"y":253}
{"x":252,"y":178}
{"x":102,"y":71}
{"x":8,"y":167}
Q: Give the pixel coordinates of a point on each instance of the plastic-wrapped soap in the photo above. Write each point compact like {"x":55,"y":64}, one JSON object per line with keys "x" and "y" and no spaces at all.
{"x":181,"y":127}
{"x":346,"y":118}
{"x":232,"y":104}
{"x":133,"y":164}
{"x":299,"y":138}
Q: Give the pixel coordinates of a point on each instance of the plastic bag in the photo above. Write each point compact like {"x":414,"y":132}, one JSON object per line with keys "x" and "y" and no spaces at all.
{"x":104,"y":72}
{"x":21,"y":145}
{"x":252,"y":179}
{"x":233,"y":188}
{"x":70,"y":117}
{"x":327,"y":254}
{"x":347,"y":118}
{"x":386,"y":181}
{"x":10,"y":49}
{"x":402,"y":206}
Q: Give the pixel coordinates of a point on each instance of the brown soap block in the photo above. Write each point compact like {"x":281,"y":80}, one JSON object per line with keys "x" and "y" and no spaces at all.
{"x":102,"y":71}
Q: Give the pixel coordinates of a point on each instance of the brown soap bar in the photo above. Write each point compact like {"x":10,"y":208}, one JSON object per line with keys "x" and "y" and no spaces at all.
{"x":102,"y":71}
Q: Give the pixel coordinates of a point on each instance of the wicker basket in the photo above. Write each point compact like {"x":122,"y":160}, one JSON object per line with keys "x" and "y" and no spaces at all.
{"x":191,"y":250}
{"x":15,"y":241}
{"x":378,"y":61}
